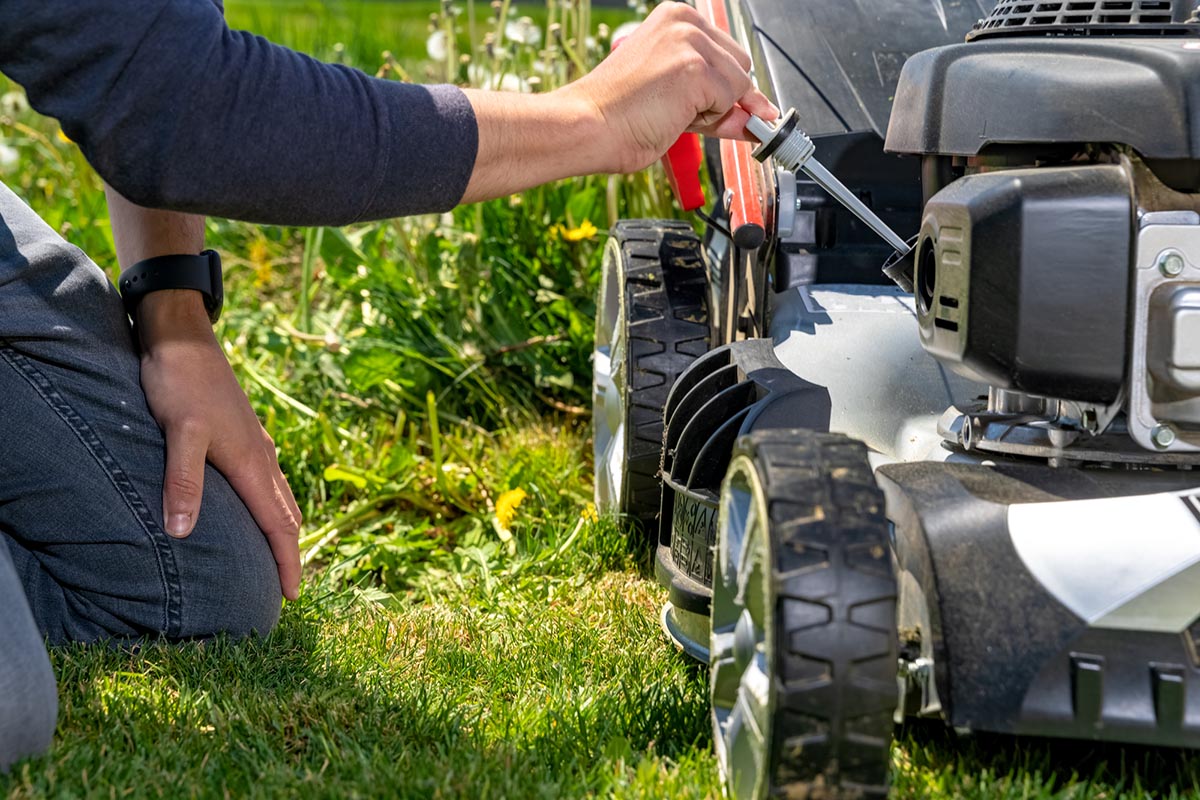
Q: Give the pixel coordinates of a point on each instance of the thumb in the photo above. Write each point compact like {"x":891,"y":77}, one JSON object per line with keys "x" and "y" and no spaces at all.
{"x":183,"y":483}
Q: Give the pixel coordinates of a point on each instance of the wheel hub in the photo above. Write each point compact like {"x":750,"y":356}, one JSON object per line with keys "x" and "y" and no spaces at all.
{"x":742,"y":652}
{"x":608,"y":387}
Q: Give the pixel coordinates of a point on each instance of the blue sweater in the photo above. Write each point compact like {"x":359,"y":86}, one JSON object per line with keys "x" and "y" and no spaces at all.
{"x":177,"y":111}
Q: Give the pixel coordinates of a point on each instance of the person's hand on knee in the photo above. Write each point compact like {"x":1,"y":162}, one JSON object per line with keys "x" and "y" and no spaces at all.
{"x":205,"y":416}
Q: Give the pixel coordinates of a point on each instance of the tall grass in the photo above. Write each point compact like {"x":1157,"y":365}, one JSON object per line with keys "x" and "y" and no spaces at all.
{"x":353,"y":343}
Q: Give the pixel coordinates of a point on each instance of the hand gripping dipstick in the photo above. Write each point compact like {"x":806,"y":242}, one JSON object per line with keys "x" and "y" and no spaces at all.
{"x":793,"y":151}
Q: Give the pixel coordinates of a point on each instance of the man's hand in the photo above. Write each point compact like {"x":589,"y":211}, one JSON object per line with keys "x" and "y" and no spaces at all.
{"x":205,"y":416}
{"x":675,"y":72}
{"x":194,"y":398}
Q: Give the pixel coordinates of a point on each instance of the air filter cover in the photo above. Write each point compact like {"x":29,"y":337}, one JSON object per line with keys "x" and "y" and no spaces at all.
{"x":1089,"y":18}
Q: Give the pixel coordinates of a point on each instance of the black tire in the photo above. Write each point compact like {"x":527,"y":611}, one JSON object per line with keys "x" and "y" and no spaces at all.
{"x":663,"y":288}
{"x":832,"y":639}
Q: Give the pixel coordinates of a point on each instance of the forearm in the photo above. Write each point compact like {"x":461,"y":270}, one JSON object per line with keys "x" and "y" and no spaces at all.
{"x":526,"y":140}
{"x":177,"y":111}
{"x":140,"y":233}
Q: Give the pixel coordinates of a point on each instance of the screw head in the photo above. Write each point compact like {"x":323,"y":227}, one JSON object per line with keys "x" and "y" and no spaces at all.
{"x":1163,"y":436}
{"x":1171,"y":263}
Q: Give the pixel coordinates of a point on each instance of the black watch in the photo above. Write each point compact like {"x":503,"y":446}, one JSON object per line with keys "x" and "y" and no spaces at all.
{"x":202,"y":273}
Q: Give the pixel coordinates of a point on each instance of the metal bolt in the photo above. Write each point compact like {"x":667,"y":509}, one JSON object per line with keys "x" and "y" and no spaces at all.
{"x":1163,"y":436}
{"x":1171,"y":263}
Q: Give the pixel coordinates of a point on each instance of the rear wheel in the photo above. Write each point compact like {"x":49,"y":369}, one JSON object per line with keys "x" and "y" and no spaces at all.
{"x":651,"y":323}
{"x":803,"y":648}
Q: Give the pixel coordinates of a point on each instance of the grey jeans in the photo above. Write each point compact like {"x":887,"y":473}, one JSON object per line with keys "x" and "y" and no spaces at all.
{"x":83,"y":553}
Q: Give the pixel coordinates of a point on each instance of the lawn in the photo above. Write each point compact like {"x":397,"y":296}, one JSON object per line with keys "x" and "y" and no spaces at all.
{"x":468,"y":628}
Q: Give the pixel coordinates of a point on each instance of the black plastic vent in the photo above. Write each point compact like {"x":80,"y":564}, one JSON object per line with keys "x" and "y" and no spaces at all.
{"x":1090,"y":17}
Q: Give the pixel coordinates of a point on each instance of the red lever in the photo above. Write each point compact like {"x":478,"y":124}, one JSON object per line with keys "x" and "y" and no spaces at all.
{"x":682,"y":163}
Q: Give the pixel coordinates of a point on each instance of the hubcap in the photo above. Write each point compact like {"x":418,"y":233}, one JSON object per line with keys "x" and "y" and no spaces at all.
{"x":608,"y":385}
{"x":742,"y":647}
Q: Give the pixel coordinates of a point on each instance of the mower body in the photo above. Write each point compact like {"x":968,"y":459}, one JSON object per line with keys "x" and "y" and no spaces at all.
{"x":1032,"y":409}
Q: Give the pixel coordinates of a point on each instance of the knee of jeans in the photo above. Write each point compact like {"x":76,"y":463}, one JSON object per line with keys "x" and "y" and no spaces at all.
{"x":28,"y":705}
{"x":230,"y":581}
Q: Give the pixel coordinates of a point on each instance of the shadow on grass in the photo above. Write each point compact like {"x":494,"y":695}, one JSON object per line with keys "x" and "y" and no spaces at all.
{"x":364,"y":706}
{"x":1074,"y":768}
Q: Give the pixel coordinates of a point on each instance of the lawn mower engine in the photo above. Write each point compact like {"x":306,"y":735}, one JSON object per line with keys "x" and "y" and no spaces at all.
{"x":1053,"y":586}
{"x":976,"y":483}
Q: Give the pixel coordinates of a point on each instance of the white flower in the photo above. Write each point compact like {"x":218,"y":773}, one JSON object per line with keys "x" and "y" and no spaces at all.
{"x":13,"y":103}
{"x":8,"y":158}
{"x":436,"y":47}
{"x":523,"y":31}
{"x":624,"y":30}
{"x":478,"y":75}
{"x":512,"y":83}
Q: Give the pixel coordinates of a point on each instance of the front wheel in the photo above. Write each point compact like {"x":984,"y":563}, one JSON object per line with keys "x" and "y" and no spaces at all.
{"x":804,"y":646}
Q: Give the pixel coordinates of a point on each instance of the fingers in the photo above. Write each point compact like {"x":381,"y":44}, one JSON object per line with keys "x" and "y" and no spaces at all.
{"x":183,"y":480}
{"x":755,"y":102}
{"x":691,"y":16}
{"x":730,"y":125}
{"x":262,"y":487}
{"x":730,"y":86}
{"x":289,"y":497}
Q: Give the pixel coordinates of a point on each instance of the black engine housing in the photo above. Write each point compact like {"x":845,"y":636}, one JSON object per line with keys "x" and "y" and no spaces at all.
{"x":1022,"y":279}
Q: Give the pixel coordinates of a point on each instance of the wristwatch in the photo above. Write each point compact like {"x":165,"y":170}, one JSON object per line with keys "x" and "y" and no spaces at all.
{"x":201,"y":273}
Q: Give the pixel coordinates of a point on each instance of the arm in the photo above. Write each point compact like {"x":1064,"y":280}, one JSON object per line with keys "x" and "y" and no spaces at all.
{"x":180,"y":354}
{"x":177,"y":111}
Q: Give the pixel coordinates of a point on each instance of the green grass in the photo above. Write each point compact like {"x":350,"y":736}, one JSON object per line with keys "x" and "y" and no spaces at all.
{"x":412,"y":372}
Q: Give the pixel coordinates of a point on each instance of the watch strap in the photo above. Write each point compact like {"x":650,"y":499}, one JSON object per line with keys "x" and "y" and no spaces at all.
{"x":199,"y":272}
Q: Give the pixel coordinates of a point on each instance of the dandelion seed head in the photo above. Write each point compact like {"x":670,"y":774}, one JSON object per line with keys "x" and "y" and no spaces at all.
{"x":513,"y":83}
{"x":13,"y":103}
{"x":523,"y":31}
{"x":436,"y":45}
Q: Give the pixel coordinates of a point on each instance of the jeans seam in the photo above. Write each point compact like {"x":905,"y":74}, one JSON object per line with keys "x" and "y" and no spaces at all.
{"x":168,"y":570}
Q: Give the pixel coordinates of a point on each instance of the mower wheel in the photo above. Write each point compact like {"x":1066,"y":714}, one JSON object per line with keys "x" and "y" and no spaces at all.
{"x":804,"y":643}
{"x":651,"y":323}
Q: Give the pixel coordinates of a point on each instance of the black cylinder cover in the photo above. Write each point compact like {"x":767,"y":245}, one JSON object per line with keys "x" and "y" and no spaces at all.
{"x":1022,"y":279}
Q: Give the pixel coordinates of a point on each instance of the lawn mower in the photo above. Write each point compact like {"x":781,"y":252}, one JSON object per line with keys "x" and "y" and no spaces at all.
{"x":963,"y":488}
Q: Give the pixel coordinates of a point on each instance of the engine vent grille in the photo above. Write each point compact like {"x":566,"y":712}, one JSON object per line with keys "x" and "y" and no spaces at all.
{"x":1090,"y":17}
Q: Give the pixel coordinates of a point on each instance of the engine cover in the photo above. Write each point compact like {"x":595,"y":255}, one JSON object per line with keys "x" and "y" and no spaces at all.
{"x":962,"y":99}
{"x":1023,"y":279}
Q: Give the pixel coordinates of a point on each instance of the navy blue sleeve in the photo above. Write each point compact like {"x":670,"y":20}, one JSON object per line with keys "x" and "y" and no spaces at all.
{"x":177,"y":111}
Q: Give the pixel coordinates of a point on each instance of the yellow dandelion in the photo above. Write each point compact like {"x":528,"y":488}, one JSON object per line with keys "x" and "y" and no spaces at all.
{"x":62,"y":137}
{"x":506,"y":507}
{"x":589,"y":513}
{"x":260,"y":260}
{"x":586,"y":230}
